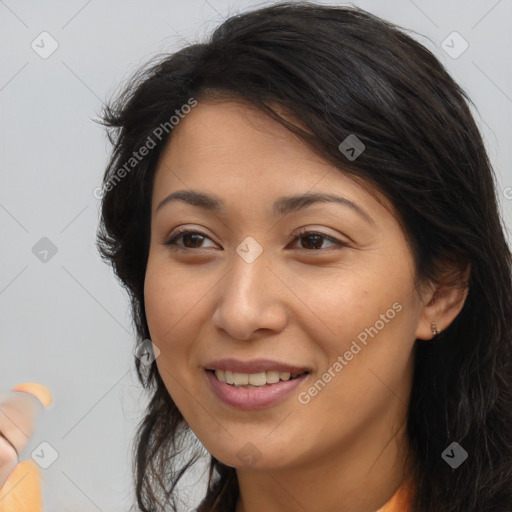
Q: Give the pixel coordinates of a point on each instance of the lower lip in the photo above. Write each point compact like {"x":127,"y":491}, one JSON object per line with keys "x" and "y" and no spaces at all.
{"x":253,"y":398}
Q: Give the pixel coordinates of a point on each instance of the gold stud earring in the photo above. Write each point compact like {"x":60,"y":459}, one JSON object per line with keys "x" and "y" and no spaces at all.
{"x":435,"y":330}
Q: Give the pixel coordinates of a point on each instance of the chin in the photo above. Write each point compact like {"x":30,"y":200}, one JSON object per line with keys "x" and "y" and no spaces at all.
{"x":257,"y":455}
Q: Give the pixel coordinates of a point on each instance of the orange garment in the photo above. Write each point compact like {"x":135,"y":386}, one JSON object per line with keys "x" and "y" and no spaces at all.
{"x":401,"y":501}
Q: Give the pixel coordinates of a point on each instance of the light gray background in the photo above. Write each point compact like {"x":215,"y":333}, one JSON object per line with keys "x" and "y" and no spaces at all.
{"x":65,"y":322}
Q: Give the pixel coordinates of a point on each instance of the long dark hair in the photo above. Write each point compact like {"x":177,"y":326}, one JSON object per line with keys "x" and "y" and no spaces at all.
{"x":342,"y":71}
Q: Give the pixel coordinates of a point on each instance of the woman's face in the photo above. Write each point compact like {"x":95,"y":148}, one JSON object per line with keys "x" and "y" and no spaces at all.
{"x":339,"y":303}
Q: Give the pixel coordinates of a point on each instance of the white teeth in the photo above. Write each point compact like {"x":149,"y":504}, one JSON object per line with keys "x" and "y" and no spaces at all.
{"x":257,"y":379}
{"x":272,"y":377}
{"x":253,"y":379}
{"x":241,"y":379}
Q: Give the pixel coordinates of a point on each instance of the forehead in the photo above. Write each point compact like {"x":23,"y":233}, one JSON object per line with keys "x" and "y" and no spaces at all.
{"x":228,"y":129}
{"x":231,"y":148}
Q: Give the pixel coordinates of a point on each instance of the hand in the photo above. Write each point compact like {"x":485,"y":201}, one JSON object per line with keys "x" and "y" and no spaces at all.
{"x":18,"y":413}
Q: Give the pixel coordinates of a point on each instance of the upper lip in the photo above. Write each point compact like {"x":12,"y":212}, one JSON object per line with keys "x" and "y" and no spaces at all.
{"x":254,"y":366}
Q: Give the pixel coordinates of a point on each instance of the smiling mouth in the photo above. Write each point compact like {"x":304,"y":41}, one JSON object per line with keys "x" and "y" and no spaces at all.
{"x":254,"y":380}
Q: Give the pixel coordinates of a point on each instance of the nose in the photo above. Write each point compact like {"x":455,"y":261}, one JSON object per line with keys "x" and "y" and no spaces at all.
{"x":250,"y":299}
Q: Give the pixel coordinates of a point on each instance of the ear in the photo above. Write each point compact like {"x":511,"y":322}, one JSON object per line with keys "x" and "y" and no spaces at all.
{"x":443,"y":303}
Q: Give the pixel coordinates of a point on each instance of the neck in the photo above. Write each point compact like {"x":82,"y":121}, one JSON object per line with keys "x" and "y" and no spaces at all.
{"x":360,"y":475}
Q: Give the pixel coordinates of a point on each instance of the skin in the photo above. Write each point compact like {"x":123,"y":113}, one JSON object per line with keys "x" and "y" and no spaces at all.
{"x":345,"y":449}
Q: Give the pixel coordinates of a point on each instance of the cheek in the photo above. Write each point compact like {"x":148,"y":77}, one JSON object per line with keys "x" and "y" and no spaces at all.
{"x":368,"y":318}
{"x":167,"y":301}
{"x":170,"y":294}
{"x":342,"y":303}
{"x":175,"y":311}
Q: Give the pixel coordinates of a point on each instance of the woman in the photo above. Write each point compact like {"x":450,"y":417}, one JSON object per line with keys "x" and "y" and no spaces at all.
{"x":371,"y":373}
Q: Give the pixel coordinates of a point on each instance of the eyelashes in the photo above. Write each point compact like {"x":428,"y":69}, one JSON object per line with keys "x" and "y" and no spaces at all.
{"x":303,"y":234}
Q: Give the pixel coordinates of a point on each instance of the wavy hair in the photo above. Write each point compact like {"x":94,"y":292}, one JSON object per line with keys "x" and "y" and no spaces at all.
{"x":341,"y":71}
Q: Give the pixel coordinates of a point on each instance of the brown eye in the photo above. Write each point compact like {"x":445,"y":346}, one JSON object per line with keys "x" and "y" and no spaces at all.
{"x":191,"y":239}
{"x":313,"y":241}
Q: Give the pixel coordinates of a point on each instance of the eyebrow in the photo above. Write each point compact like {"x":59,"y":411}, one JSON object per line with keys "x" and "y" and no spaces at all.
{"x":282,"y":206}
